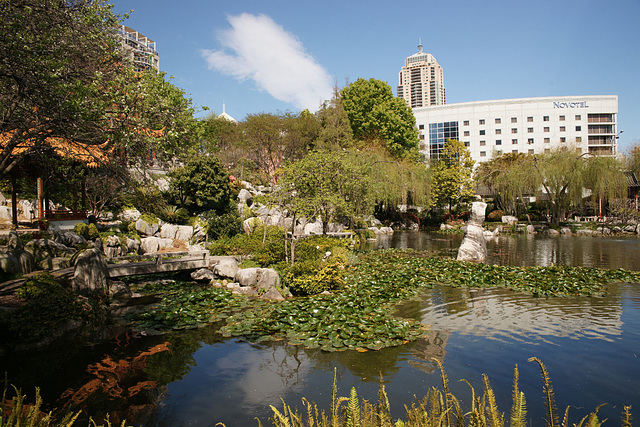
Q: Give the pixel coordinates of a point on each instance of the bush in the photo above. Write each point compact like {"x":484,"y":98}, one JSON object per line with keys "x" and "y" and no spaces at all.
{"x":81,"y":229}
{"x":268,"y":254}
{"x":92,"y":232}
{"x":310,"y":278}
{"x":495,"y":215}
{"x":175,"y":215}
{"x":48,"y":306}
{"x":227,"y":224}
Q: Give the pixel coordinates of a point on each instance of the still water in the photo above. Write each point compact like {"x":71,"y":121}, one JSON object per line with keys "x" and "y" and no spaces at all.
{"x":591,"y":347}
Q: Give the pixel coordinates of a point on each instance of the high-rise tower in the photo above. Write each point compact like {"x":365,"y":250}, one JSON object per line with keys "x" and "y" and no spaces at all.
{"x":421,"y":80}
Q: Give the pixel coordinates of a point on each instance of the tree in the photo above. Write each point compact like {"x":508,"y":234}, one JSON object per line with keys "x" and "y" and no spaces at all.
{"x":327,"y":184}
{"x":63,"y":75}
{"x":201,"y":185}
{"x":335,"y":130}
{"x":273,"y":139}
{"x":452,"y":181}
{"x":376,"y":117}
{"x":510,"y":178}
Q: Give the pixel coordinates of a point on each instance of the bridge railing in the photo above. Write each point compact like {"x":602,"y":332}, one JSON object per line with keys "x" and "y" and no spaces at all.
{"x":158,"y":257}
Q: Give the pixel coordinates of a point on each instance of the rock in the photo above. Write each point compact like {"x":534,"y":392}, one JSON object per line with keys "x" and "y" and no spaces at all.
{"x":552,"y":232}
{"x":530,"y":229}
{"x":9,"y":263}
{"x":133,"y":246}
{"x":145,"y":228}
{"x":272,"y":294}
{"x":585,"y":232}
{"x":227,"y":267}
{"x":386,"y":230}
{"x":184,"y":233}
{"x":203,"y":275}
{"x":509,"y":219}
{"x":3,"y":200}
{"x":149,"y":245}
{"x":68,"y":238}
{"x":268,"y":278}
{"x":43,"y":248}
{"x":604,"y":231}
{"x":313,"y":228}
{"x":130,"y":215}
{"x":5,"y":212}
{"x":473,"y":246}
{"x":245,"y":197}
{"x":112,"y":251}
{"x":28,"y":209}
{"x":566,"y":231}
{"x":250,"y":224}
{"x":119,"y":290}
{"x":90,"y":273}
{"x":444,"y":227}
{"x":247,"y":277}
{"x":165,"y":243}
{"x":168,"y":231}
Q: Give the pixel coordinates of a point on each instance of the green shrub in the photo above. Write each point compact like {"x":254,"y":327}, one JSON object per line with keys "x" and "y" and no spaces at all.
{"x":269,"y":253}
{"x":313,"y":277}
{"x":227,"y":224}
{"x":92,"y":232}
{"x":81,"y":229}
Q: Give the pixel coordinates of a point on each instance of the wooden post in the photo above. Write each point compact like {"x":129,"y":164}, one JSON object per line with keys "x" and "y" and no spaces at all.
{"x":39,"y":204}
{"x":14,"y":201}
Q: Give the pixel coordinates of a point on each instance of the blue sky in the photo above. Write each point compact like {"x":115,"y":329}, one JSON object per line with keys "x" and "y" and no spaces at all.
{"x":289,"y":53}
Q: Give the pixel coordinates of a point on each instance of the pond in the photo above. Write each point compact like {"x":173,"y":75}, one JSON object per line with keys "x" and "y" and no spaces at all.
{"x":591,"y":347}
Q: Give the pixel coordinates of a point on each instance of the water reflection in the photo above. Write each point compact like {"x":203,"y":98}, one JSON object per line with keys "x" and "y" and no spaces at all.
{"x":502,"y":314}
{"x":523,"y":249}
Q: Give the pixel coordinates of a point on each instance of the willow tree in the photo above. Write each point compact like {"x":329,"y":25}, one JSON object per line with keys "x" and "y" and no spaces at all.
{"x":510,"y":178}
{"x":605,"y":178}
{"x":452,"y":176}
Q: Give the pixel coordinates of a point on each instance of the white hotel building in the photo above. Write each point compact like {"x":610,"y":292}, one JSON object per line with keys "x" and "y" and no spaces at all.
{"x":587,"y":124}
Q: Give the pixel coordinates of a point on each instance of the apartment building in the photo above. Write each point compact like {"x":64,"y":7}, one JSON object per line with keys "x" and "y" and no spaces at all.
{"x":421,"y":80}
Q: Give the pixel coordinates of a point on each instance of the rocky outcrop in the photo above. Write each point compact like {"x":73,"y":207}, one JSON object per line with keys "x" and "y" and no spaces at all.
{"x":90,"y":274}
{"x":226,"y":268}
{"x":14,"y":258}
{"x":474,"y":246}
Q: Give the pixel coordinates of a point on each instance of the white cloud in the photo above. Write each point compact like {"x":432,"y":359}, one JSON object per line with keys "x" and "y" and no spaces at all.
{"x":256,"y":48}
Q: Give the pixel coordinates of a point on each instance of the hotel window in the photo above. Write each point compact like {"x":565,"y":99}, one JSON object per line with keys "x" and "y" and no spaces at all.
{"x":578,"y":117}
{"x":498,"y":121}
{"x":563,"y":139}
{"x":482,"y":132}
{"x":498,"y":142}
{"x":529,"y":119}
{"x":546,"y":129}
{"x":545,"y":118}
{"x":498,"y":131}
{"x":531,"y":151}
{"x":466,"y":143}
{"x":578,"y":139}
{"x":514,"y":130}
{"x":466,"y":133}
{"x":530,"y":141}
{"x":578,"y":128}
{"x":562,"y":118}
{"x":514,"y":151}
{"x":481,"y":121}
{"x":421,"y":127}
{"x":530,"y":130}
{"x":421,"y":136}
{"x":514,"y":141}
{"x":547,"y":140}
{"x":483,"y":154}
{"x":465,"y":123}
{"x":498,"y":152}
{"x":514,"y":120}
{"x":562,"y":128}
{"x":483,"y":143}
{"x":547,"y":150}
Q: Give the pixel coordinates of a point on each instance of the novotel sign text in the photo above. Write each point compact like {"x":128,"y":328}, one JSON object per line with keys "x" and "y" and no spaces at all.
{"x":581,"y":104}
